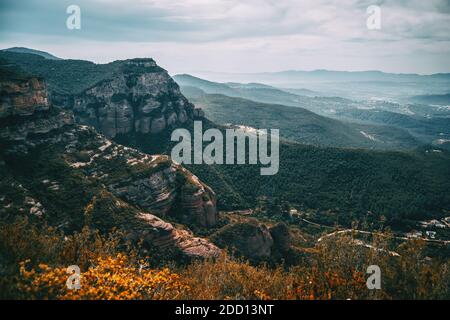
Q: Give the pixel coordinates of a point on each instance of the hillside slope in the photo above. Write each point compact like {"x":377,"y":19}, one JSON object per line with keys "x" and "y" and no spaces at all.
{"x":340,"y":185}
{"x":300,"y":125}
{"x":68,"y":176}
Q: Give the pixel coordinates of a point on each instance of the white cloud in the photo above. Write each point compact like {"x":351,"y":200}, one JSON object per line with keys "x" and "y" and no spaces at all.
{"x":255,"y":35}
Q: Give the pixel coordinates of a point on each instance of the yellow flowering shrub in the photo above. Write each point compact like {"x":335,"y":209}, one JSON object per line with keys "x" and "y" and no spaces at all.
{"x":111,"y":278}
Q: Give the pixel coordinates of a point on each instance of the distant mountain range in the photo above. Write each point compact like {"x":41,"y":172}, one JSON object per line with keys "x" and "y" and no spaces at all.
{"x":242,"y":89}
{"x":292,"y":75}
{"x":354,"y":85}
{"x":368,"y":124}
{"x":326,"y":75}
{"x":253,"y":91}
{"x":357,"y":75}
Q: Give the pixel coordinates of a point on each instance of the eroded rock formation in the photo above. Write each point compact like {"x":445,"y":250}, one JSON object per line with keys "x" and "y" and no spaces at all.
{"x":139,"y":97}
{"x":22,"y":96}
{"x":136,"y":190}
{"x":25,"y":110}
{"x":250,"y":239}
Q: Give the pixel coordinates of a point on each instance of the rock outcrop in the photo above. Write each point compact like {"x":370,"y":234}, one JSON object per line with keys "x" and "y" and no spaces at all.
{"x":255,"y":241}
{"x":137,"y":190}
{"x":25,"y":111}
{"x":22,"y":96}
{"x":281,"y":236}
{"x":139,"y":97}
{"x":202,"y":210}
{"x":250,"y":239}
{"x":164,"y":236}
{"x":151,"y":182}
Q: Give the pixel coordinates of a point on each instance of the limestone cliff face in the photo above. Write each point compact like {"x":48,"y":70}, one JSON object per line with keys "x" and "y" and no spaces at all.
{"x":22,"y":96}
{"x":198,"y":203}
{"x":135,"y":190}
{"x":25,"y":110}
{"x":139,"y":97}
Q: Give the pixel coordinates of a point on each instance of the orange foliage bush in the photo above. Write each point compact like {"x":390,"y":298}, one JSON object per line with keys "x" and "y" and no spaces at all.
{"x":112,"y":278}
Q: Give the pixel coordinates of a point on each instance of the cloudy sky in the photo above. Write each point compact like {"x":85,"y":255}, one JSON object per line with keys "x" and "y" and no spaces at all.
{"x":239,"y":36}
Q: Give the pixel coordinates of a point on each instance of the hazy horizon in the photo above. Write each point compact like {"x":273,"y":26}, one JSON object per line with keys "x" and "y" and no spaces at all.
{"x":202,"y":72}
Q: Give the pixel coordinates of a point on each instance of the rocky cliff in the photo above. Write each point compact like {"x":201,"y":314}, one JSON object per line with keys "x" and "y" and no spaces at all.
{"x":137,"y":97}
{"x":250,"y":239}
{"x":22,"y":96}
{"x":68,"y":175}
{"x":25,"y":111}
{"x":255,"y":240}
{"x":133,"y":96}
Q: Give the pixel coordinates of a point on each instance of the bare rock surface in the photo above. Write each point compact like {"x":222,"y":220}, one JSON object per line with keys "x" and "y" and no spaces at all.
{"x":139,"y":97}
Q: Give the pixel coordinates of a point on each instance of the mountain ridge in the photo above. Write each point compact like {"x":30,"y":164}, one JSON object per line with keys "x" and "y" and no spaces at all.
{"x":43,"y":54}
{"x":374,"y":73}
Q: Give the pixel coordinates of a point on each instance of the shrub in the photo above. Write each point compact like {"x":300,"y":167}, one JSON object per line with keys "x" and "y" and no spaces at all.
{"x":112,"y":278}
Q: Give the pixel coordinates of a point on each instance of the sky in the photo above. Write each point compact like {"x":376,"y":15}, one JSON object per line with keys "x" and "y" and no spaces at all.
{"x":188,"y":36}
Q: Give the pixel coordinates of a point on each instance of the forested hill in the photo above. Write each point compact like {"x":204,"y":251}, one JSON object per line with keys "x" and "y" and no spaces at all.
{"x":342,"y":185}
{"x":62,"y":76}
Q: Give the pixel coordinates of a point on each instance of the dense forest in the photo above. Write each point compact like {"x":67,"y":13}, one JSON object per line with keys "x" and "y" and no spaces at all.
{"x":348,"y":184}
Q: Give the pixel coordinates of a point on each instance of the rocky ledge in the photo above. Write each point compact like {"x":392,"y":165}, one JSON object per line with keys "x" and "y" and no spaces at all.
{"x":151,"y":182}
{"x":25,"y":111}
{"x":22,"y":96}
{"x":254,"y":240}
